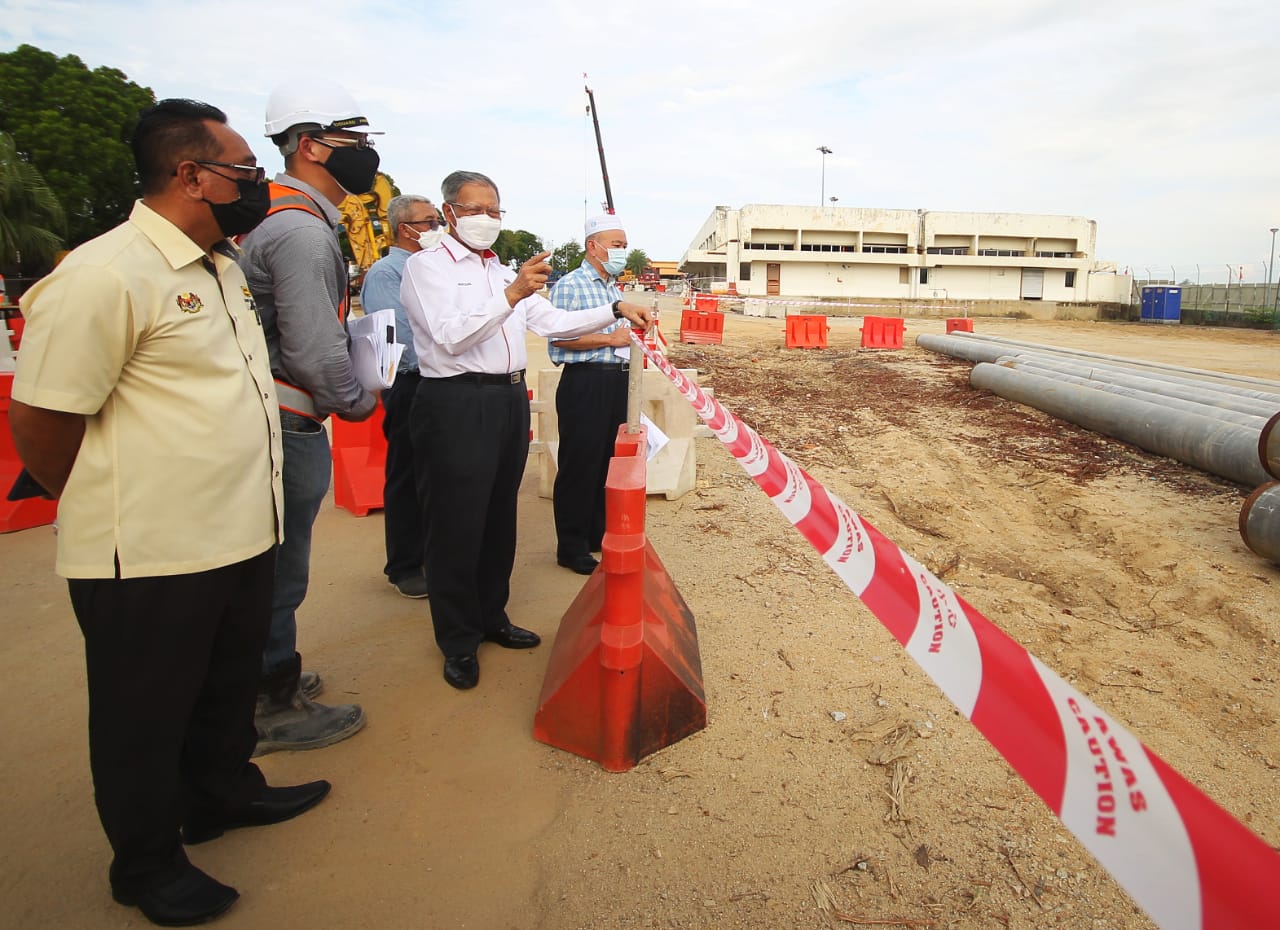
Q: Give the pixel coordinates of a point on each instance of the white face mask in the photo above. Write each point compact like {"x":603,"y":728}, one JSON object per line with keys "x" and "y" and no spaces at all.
{"x":479,"y":231}
{"x":430,"y":237}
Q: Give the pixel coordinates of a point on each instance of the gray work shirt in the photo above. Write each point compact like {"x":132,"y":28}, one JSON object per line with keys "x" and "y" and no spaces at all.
{"x":295,"y":269}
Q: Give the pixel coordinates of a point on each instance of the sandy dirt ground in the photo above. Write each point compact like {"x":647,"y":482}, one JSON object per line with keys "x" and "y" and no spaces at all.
{"x":834,"y":785}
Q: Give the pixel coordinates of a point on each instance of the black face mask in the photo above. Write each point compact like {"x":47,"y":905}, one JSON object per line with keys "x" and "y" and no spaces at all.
{"x":240,"y":216}
{"x":353,"y":168}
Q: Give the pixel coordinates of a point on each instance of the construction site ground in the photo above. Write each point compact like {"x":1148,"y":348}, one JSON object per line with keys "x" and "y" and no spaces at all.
{"x":834,"y":785}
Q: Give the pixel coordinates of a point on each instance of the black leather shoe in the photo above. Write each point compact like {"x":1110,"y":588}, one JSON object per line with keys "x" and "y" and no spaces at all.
{"x":275,"y":806}
{"x":191,"y":898}
{"x":582,"y":564}
{"x":513,"y":637}
{"x":462,"y":672}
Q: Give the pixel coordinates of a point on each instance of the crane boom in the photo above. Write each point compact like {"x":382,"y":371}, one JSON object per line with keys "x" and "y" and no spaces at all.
{"x":608,"y":191}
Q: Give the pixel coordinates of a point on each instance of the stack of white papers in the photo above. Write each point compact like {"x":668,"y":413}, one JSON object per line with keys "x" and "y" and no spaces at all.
{"x":375,"y":354}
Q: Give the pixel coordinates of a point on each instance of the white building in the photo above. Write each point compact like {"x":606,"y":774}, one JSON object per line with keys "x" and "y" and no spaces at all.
{"x":793,"y":251}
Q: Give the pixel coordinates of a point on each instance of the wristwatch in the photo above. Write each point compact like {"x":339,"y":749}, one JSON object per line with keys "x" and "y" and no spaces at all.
{"x":617,"y":312}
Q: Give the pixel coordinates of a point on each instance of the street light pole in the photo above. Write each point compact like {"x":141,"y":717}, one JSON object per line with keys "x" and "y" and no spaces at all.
{"x":822,"y":198}
{"x":1271,"y":260}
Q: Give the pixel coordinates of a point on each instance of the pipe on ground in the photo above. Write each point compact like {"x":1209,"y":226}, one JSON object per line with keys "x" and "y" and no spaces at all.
{"x":1260,"y":521}
{"x":1222,"y":449}
{"x":1156,"y":385}
{"x":1264,"y":384}
{"x":1206,"y":409}
{"x":1269,"y":446}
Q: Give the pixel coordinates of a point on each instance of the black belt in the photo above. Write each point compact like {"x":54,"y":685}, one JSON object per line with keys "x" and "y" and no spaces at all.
{"x":600,"y":366}
{"x":476,"y":377}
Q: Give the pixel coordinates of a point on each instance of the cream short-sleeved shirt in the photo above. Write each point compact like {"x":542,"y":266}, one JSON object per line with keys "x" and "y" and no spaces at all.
{"x":179,"y":470}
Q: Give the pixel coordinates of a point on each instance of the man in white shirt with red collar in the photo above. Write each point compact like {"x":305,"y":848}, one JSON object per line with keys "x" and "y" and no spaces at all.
{"x":470,"y":420}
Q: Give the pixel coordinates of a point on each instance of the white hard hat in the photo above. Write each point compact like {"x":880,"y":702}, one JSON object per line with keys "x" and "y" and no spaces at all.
{"x":315,"y":102}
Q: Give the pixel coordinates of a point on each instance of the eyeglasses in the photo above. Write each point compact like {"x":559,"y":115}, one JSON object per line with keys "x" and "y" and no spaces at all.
{"x":337,"y":142}
{"x":431,"y":223}
{"x":253,"y":173}
{"x":472,"y":209}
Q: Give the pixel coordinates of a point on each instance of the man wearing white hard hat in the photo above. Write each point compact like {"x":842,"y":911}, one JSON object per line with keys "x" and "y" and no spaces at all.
{"x":298,"y":276}
{"x":591,"y":400}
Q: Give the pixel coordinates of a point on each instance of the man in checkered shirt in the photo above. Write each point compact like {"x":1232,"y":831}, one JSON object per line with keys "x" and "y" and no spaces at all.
{"x":591,"y":401}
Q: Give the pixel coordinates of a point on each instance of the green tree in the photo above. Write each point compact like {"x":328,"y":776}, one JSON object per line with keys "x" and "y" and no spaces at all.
{"x":567,"y":257}
{"x":31,"y":219}
{"x":516,"y":246}
{"x":73,"y":126}
{"x":637,"y":261}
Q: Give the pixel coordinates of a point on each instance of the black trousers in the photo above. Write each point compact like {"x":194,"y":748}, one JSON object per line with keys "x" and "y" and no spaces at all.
{"x":470,"y":445}
{"x":401,"y":511}
{"x":173,"y":664}
{"x":591,"y":404}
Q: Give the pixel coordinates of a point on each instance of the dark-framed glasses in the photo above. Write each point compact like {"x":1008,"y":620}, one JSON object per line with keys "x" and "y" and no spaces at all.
{"x":338,"y":142}
{"x":254,"y":173}
{"x":430,"y":223}
{"x":473,"y":209}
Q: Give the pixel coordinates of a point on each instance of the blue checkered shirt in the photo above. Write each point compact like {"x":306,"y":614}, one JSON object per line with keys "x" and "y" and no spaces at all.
{"x":584,"y":289}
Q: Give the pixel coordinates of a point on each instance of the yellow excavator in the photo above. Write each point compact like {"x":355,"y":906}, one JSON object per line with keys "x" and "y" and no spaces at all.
{"x":364,"y":216}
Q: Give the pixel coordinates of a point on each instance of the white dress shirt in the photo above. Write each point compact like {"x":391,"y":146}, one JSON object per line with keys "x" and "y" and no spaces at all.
{"x":462,"y":322}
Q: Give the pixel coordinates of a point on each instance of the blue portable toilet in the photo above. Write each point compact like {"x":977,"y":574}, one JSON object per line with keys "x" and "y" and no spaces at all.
{"x":1161,"y":304}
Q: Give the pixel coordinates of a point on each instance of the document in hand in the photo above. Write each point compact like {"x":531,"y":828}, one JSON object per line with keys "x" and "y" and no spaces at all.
{"x":375,"y":354}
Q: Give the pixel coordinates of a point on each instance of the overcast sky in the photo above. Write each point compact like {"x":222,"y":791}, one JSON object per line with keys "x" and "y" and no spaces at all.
{"x":1159,"y":120}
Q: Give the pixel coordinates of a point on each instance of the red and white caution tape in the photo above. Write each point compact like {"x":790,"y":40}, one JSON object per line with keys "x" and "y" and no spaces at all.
{"x":1187,"y":862}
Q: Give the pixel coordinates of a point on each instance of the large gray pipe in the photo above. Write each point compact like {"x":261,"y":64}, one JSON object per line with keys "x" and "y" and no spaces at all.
{"x":1222,"y":449}
{"x":1269,"y":446}
{"x":1206,"y":409}
{"x":1260,"y":521}
{"x":1197,"y":393}
{"x":1263,"y":384}
{"x":971,"y":350}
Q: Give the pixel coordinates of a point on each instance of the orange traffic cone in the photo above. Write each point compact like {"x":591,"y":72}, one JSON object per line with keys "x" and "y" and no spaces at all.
{"x":625,"y":677}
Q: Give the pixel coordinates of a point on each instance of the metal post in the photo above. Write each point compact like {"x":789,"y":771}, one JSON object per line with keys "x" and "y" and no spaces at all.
{"x":1271,"y":260}
{"x":822,"y":197}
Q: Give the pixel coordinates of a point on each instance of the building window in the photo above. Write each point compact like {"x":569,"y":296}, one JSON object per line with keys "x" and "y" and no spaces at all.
{"x":947,"y":250}
{"x":1071,"y":279}
{"x":924,"y":275}
{"x":1002,"y":253}
{"x":1054,"y":255}
{"x":886,"y":249}
{"x":744,"y":271}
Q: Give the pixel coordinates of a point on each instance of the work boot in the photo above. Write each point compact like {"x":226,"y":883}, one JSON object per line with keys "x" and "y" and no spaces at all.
{"x":287,"y":719}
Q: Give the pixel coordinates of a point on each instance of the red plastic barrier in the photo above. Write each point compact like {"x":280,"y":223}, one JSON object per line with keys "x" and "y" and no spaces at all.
{"x":959,"y":325}
{"x":882,"y":332}
{"x":707,"y":302}
{"x":359,"y":463}
{"x":699,"y":326}
{"x":23,"y":514}
{"x":806,"y":332}
{"x":15,"y":323}
{"x":625,"y":677}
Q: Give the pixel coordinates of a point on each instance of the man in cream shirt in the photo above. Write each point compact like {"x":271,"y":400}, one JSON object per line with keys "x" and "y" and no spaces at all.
{"x":143,"y":400}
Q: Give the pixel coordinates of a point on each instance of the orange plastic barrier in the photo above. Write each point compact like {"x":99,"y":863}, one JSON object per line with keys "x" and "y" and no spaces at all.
{"x":882,"y":332}
{"x":624,"y":678}
{"x":23,"y":514}
{"x":806,"y":332}
{"x":959,"y":325}
{"x":700,"y":326}
{"x":359,"y":463}
{"x":707,"y":302}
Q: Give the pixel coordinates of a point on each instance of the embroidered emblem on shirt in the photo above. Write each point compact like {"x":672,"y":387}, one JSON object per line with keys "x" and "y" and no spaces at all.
{"x":190,"y":303}
{"x":248,"y":299}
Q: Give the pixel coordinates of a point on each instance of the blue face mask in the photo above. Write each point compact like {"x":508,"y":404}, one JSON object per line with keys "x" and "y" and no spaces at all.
{"x":616,"y":262}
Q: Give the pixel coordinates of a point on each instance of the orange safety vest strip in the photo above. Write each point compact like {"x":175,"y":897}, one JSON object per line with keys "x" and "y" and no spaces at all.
{"x":289,"y":198}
